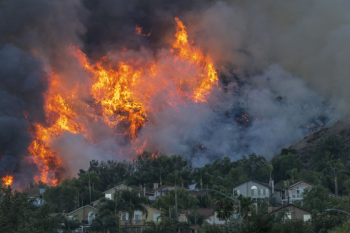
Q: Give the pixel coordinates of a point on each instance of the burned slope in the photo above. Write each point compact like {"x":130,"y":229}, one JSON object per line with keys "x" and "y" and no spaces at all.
{"x":306,"y":146}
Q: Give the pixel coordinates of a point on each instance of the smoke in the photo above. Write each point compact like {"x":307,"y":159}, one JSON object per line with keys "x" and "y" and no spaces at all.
{"x":283,"y":74}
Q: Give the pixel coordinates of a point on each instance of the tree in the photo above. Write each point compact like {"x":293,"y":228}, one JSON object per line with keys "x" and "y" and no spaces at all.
{"x":335,"y":173}
{"x":254,"y":167}
{"x":209,"y":228}
{"x":201,"y":177}
{"x":329,"y":150}
{"x":261,"y":223}
{"x":284,"y":163}
{"x":316,"y":198}
{"x":140,"y":178}
{"x":167,"y":225}
{"x":247,"y":206}
{"x":158,"y":173}
{"x":133,"y":202}
{"x":106,"y":216}
{"x":63,"y":197}
{"x":292,"y":226}
{"x":196,"y":219}
{"x":18,"y":214}
{"x":224,"y":207}
{"x":70,"y":224}
{"x":345,"y":228}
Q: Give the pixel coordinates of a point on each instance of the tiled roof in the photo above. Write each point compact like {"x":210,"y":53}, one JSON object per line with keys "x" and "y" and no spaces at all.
{"x":298,"y":183}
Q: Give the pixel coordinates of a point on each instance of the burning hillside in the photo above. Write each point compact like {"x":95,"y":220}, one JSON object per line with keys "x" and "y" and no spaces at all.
{"x":83,"y":80}
{"x":122,"y":97}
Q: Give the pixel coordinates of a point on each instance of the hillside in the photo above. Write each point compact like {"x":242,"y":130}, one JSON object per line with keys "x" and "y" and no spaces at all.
{"x":306,"y":146}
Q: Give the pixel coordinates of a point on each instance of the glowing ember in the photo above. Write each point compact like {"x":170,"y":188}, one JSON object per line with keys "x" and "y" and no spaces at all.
{"x":8,"y":180}
{"x":122,"y":95}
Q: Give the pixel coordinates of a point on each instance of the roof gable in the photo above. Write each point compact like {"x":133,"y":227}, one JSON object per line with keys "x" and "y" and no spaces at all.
{"x":288,"y":206}
{"x":118,"y":186}
{"x":299,"y":183}
{"x":80,"y":209}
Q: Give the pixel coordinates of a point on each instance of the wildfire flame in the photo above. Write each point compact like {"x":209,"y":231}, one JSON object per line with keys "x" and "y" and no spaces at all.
{"x":8,"y":180}
{"x":122,"y":96}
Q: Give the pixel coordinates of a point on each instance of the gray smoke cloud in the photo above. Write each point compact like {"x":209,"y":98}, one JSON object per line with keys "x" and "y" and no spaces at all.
{"x":282,"y":65}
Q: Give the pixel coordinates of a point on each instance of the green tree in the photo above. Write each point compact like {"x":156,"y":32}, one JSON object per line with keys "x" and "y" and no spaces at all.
{"x":345,"y":228}
{"x":247,"y":206}
{"x":140,"y":178}
{"x":196,"y":219}
{"x":70,"y":224}
{"x":63,"y":197}
{"x":224,"y":207}
{"x":292,"y":226}
{"x":284,"y":163}
{"x":261,"y":223}
{"x":316,"y":198}
{"x":133,"y":202}
{"x":167,"y":225}
{"x":105,"y":217}
{"x":331,"y":149}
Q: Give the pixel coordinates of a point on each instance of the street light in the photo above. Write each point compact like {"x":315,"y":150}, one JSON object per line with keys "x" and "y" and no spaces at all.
{"x":240,"y":217}
{"x":338,"y":210}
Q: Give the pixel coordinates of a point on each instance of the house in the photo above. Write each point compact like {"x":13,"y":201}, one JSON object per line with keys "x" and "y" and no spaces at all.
{"x":295,"y":192}
{"x":36,"y":194}
{"x":293,"y":212}
{"x":212,"y":217}
{"x":140,"y":219}
{"x":258,"y":190}
{"x":85,"y":215}
{"x":165,"y":189}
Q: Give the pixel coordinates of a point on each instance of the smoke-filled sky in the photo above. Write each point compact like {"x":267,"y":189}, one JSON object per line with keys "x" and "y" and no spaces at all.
{"x":282,"y":69}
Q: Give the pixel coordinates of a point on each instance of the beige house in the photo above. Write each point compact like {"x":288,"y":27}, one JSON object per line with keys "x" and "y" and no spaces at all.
{"x":295,"y":192}
{"x":140,"y":219}
{"x":85,"y":215}
{"x":293,"y":212}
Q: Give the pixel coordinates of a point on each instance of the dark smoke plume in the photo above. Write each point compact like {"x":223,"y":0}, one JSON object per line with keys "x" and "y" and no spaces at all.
{"x":283,"y":73}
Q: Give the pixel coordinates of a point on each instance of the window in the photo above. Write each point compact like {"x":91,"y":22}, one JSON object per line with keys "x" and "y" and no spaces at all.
{"x":236,"y":193}
{"x":125,"y":217}
{"x":254,"y":191}
{"x":155,"y":217}
{"x":307,"y":217}
{"x":289,"y":216}
{"x":267,"y":192}
{"x":108,"y":196}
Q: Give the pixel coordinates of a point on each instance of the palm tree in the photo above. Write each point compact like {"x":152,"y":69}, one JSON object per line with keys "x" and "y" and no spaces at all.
{"x":167,"y":225}
{"x":158,"y":173}
{"x":247,"y":206}
{"x":196,"y":219}
{"x":199,"y":175}
{"x":335,"y":172}
{"x":224,"y":207}
{"x":292,"y":173}
{"x":70,"y":224}
{"x":140,"y":178}
{"x":133,"y":202}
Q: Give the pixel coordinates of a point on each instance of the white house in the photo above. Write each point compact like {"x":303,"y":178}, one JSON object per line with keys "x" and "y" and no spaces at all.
{"x":258,"y":190}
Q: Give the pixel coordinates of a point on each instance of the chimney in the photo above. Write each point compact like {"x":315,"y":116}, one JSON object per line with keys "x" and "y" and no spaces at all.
{"x":155,"y":186}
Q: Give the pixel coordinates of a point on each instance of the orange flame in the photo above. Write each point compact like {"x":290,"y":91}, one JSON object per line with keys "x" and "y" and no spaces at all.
{"x":122,"y":95}
{"x":8,"y":180}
